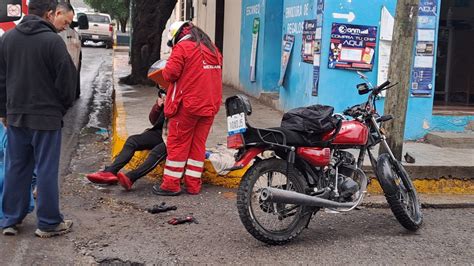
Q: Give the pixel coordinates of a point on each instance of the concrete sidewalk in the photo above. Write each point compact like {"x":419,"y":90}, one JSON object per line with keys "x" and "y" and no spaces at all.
{"x":437,"y":170}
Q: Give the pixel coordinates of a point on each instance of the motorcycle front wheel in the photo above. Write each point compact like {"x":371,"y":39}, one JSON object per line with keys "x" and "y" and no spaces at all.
{"x":272,"y":223}
{"x":405,"y":204}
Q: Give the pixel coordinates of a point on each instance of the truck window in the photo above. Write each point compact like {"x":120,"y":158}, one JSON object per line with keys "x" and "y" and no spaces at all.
{"x":98,"y":19}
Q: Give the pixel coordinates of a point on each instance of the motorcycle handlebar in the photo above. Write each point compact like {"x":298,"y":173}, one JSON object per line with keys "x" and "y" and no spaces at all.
{"x":382,"y":86}
{"x":359,"y":109}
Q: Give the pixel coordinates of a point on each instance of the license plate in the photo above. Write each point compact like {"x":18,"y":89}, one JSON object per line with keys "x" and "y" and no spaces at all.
{"x":95,"y":37}
{"x":236,"y":124}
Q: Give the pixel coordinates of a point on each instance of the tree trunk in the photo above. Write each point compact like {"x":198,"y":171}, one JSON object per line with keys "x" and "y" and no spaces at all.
{"x":149,"y":20}
{"x":123,"y":25}
{"x":401,"y":60}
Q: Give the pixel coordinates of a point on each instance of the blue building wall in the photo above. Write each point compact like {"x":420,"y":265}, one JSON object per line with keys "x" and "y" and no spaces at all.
{"x":296,"y":89}
{"x":268,"y":48}
{"x":336,"y":87}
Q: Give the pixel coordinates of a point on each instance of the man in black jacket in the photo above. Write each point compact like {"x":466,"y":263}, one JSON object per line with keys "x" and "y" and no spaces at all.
{"x":37,"y":87}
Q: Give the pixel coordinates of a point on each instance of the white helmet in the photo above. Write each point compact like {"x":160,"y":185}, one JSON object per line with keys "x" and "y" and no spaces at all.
{"x":174,"y":31}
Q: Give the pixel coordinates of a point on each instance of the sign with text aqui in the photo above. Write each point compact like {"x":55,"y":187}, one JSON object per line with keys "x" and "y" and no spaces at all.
{"x":352,"y":47}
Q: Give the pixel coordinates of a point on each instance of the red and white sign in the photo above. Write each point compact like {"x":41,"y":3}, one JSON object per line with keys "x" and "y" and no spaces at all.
{"x":13,"y":10}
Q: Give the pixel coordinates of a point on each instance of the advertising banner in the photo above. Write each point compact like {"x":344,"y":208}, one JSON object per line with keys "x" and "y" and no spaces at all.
{"x":307,"y":46}
{"x":253,"y":54}
{"x":317,"y":47}
{"x":288,"y":41}
{"x":352,"y":47}
{"x":423,"y":65}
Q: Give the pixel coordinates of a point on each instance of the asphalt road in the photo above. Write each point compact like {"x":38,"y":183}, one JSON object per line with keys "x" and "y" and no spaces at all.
{"x":112,"y":226}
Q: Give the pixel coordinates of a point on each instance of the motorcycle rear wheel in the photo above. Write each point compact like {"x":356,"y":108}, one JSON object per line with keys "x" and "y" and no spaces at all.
{"x":404,"y":204}
{"x":272,"y":223}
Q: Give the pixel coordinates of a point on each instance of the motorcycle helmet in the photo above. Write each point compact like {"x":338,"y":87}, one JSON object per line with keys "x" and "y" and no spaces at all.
{"x":155,"y":73}
{"x":175,"y":30}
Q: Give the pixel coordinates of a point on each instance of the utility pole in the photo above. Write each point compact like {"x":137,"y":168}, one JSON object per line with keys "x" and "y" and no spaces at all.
{"x":401,"y":60}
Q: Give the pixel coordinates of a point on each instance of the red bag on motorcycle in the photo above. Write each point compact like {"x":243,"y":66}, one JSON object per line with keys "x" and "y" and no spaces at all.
{"x":311,"y":121}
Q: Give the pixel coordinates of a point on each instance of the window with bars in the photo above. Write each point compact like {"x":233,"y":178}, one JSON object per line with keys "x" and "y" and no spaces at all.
{"x":181,"y":9}
{"x":186,"y":10}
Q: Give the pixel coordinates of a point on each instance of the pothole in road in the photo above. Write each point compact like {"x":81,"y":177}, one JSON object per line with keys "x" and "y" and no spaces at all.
{"x":116,"y":261}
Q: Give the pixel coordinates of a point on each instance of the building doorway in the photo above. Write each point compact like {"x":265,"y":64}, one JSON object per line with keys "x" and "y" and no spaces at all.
{"x":454,"y":88}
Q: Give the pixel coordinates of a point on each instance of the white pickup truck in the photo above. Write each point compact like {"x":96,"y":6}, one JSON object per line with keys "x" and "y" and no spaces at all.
{"x":101,"y":29}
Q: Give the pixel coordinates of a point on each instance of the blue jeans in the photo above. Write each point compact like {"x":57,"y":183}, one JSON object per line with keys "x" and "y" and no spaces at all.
{"x":28,"y":151}
{"x":3,"y":146}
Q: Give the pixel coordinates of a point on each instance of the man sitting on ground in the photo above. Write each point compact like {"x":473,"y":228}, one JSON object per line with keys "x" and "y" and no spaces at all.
{"x":150,"y":139}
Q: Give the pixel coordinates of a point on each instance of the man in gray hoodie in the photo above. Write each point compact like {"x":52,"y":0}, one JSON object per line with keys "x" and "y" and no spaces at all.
{"x":37,"y":87}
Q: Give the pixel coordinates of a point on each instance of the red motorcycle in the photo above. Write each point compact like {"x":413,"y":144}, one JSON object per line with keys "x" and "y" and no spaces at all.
{"x":291,"y":179}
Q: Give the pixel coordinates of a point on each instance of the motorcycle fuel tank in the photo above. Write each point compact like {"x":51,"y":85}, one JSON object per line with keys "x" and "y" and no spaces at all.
{"x":351,"y":133}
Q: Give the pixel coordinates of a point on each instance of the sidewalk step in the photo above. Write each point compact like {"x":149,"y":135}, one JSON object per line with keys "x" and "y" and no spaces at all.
{"x":271,"y":99}
{"x":121,"y":49}
{"x":451,"y":140}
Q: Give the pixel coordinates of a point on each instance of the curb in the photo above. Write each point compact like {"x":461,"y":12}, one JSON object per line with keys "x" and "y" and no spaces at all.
{"x":450,"y":186}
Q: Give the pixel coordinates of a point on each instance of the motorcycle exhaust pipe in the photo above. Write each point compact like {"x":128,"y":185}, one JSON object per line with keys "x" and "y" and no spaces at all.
{"x":270,"y":194}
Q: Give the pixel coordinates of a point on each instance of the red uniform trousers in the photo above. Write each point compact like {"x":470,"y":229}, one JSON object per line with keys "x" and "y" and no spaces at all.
{"x":186,"y":146}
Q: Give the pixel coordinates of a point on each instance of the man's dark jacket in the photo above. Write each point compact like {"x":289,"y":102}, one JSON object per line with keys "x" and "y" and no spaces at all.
{"x":37,"y":76}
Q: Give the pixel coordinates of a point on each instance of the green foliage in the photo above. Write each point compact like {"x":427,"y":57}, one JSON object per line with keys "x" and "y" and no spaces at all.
{"x":117,"y":9}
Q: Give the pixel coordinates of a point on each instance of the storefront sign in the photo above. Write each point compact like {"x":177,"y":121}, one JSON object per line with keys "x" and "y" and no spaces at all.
{"x":352,"y":47}
{"x":423,"y":65}
{"x":317,"y":47}
{"x":288,"y":42}
{"x":253,"y":53}
{"x":307,"y":47}
{"x":294,"y":13}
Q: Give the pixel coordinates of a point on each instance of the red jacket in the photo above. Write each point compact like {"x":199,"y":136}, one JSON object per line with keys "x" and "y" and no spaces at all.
{"x":195,"y":74}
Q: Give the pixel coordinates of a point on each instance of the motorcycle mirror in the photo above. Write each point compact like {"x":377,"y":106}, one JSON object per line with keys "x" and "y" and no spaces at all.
{"x":363,"y":88}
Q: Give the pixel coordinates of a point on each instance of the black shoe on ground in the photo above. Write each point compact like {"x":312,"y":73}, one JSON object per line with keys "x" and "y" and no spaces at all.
{"x":158,"y":191}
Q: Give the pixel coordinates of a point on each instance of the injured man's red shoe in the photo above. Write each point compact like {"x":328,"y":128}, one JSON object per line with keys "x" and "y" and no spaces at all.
{"x":102,"y":177}
{"x":124,"y":181}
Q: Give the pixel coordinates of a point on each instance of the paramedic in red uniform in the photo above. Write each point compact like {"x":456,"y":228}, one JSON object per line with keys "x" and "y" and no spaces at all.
{"x":194,"y":70}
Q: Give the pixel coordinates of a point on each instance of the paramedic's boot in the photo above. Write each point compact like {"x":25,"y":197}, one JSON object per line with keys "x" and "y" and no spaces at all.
{"x":157,"y":190}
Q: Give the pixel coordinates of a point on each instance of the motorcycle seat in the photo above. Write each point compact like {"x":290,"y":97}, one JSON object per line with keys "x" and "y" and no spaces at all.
{"x":293,"y":138}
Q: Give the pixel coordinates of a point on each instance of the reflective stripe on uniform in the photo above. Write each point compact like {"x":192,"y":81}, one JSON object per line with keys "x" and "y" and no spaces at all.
{"x":193,"y":173}
{"x":195,"y":163}
{"x":175,"y":163}
{"x":173,"y":173}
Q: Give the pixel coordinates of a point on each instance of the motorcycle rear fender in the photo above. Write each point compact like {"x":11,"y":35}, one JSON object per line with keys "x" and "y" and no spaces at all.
{"x":246,"y":158}
{"x":386,"y":175}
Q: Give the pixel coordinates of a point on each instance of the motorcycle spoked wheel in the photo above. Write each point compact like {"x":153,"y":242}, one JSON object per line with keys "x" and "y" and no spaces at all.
{"x":272,"y":223}
{"x":405,"y":204}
